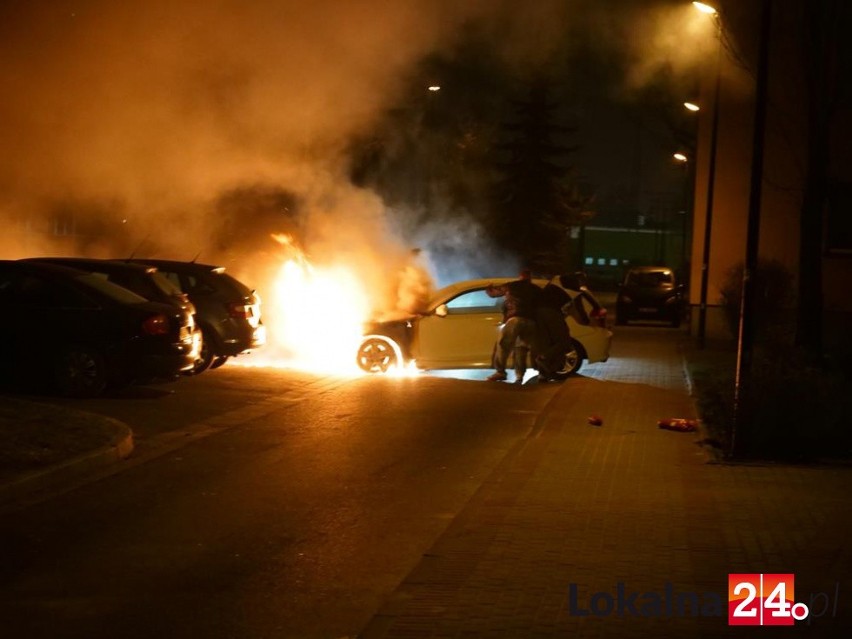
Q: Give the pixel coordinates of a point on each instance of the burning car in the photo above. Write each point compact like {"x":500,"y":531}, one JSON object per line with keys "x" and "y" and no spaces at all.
{"x":459,"y":327}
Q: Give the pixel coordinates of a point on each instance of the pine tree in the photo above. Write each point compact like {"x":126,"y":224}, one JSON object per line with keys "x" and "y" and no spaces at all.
{"x":537,"y":198}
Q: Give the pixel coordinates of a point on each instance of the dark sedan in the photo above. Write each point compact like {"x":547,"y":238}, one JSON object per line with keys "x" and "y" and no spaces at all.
{"x":649,"y":293}
{"x":78,"y":333}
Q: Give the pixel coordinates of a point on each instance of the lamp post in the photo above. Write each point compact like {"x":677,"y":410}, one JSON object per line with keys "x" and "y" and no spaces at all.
{"x":746,"y":327}
{"x":711,"y":179}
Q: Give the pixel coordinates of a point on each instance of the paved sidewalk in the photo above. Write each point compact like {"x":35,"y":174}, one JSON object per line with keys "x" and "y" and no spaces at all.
{"x":626,"y":503}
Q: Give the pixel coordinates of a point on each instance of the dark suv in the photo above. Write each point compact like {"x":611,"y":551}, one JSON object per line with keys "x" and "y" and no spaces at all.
{"x":649,"y":293}
{"x":80,"y":333}
{"x":227,"y":311}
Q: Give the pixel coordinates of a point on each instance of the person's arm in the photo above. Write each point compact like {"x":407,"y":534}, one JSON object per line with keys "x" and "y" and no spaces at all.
{"x":495,"y":291}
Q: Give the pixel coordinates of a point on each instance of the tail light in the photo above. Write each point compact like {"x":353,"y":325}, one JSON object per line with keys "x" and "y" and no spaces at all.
{"x":239,"y":310}
{"x":156,"y":325}
{"x":598,"y":316}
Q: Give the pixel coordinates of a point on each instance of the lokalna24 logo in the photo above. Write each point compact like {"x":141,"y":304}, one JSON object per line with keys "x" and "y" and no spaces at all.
{"x":753,"y":599}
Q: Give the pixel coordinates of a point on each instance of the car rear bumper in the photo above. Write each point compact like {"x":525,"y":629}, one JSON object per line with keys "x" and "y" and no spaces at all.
{"x":249,"y":339}
{"x":157,"y":359}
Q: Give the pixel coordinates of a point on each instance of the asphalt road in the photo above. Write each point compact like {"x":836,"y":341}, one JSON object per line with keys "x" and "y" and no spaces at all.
{"x":259,"y":503}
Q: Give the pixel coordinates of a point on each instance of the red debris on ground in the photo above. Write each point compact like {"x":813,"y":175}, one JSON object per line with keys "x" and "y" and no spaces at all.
{"x":679,"y":424}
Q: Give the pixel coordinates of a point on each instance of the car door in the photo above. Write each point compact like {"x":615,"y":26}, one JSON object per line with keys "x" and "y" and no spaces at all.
{"x":464,"y":336}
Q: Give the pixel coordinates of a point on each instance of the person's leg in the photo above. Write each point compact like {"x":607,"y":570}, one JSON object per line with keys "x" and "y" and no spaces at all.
{"x":504,"y":346}
{"x":525,"y":334}
{"x":560,"y":343}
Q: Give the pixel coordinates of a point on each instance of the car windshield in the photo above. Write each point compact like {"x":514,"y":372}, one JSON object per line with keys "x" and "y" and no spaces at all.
{"x":649,"y":279}
{"x":113,"y":291}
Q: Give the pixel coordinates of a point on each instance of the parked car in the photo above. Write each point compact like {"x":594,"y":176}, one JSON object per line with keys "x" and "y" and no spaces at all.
{"x":649,"y":293}
{"x":80,"y":333}
{"x":227,"y":311}
{"x":144,"y":280}
{"x":461,"y":324}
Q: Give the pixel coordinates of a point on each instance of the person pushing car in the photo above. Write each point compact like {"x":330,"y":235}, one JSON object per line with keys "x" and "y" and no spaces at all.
{"x":518,"y":331}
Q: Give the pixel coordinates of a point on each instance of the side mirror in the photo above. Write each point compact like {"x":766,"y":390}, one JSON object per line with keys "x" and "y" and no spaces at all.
{"x":441,"y":310}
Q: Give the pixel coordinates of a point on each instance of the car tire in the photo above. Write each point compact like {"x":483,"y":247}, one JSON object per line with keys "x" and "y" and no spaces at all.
{"x":218,"y":361}
{"x":205,"y":357}
{"x":80,"y":371}
{"x":573,"y":361}
{"x":376,"y":356}
{"x":675,"y":321}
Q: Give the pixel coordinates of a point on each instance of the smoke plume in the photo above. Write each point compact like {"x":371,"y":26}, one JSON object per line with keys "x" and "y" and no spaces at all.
{"x":125,"y":125}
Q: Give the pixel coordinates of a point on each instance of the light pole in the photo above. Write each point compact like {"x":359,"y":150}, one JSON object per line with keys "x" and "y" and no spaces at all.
{"x":745,"y":340}
{"x":711,"y":179}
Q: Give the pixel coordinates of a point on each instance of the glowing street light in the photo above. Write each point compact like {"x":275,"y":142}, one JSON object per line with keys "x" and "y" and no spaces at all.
{"x":705,"y":8}
{"x":680,"y":157}
{"x":711,"y":178}
{"x":692,"y":106}
{"x":434,"y":88}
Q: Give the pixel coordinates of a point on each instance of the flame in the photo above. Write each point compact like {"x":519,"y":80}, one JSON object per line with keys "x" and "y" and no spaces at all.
{"x":316,"y":314}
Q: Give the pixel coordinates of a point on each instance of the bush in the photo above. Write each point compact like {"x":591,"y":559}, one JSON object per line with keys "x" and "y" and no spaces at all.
{"x":794,"y":410}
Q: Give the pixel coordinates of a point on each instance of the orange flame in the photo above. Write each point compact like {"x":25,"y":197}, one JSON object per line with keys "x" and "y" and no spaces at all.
{"x":316,"y":313}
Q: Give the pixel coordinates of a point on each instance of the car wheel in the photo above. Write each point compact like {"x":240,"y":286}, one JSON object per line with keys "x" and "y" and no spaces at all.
{"x":218,"y":361}
{"x":376,"y":356}
{"x":80,"y":372}
{"x":205,"y":357}
{"x":573,"y":360}
{"x":620,"y":316}
{"x":676,"y":321}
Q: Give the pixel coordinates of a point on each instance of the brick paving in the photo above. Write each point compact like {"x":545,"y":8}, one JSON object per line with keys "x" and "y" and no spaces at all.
{"x":626,"y":503}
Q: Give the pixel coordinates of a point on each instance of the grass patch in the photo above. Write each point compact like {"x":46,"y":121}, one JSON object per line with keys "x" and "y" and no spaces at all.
{"x":795,"y":410}
{"x":36,"y":436}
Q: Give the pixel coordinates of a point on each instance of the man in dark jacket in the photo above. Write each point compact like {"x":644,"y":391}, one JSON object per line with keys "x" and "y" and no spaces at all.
{"x":553,"y":339}
{"x":518,"y":331}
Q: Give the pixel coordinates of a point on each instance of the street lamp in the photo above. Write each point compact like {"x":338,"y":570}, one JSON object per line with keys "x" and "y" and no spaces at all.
{"x":705,"y":8}
{"x":711,"y":179}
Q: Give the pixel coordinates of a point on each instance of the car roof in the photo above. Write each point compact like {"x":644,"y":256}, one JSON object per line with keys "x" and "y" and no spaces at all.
{"x":43,"y":267}
{"x":649,"y":269}
{"x":83,"y":262}
{"x":178,"y":264}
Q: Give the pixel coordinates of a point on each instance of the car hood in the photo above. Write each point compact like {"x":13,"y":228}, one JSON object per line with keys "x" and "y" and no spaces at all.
{"x":384,"y":321}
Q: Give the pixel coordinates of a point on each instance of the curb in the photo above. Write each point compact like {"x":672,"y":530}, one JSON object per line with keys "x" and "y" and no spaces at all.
{"x":71,"y":473}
